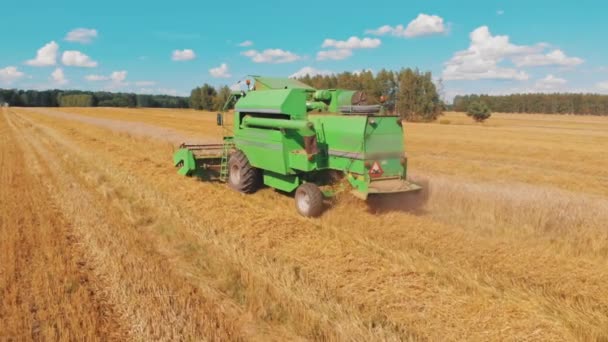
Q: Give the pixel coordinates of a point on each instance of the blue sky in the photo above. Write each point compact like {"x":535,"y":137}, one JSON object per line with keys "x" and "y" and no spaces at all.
{"x":170,"y":47}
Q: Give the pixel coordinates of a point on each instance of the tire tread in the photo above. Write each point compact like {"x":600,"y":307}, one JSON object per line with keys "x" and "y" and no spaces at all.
{"x":250,"y":176}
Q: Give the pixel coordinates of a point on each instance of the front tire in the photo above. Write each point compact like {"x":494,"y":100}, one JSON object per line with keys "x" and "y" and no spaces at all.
{"x":309,"y":200}
{"x":242,"y":176}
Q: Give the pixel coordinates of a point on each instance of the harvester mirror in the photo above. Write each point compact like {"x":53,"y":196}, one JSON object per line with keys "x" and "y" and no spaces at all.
{"x":220,"y":119}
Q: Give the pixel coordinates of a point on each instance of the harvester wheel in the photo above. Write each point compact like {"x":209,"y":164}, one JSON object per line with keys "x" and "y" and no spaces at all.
{"x":242,"y":176}
{"x":309,"y":200}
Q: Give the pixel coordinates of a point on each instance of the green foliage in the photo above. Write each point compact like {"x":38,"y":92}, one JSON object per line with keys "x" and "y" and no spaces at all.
{"x":479,"y":111}
{"x":76,"y":98}
{"x":208,"y":94}
{"x":580,"y":104}
{"x":222,"y":97}
{"x":203,"y":98}
{"x":417,"y":97}
{"x":117,"y":100}
{"x":195,"y":98}
{"x":82,"y":100}
{"x":410,"y":93}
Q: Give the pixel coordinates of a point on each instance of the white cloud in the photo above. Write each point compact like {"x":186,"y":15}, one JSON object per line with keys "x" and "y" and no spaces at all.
{"x":58,"y":77}
{"x":118,"y":76}
{"x":481,"y":60}
{"x":555,"y":57}
{"x":10,"y":74}
{"x":271,"y":56}
{"x":145,"y":83}
{"x":493,"y":73}
{"x":310,"y":71}
{"x":386,"y":29}
{"x":183,"y":55}
{"x":117,"y":80}
{"x":352,"y":43}
{"x":158,"y":91}
{"x":81,"y":35}
{"x":602,"y":85}
{"x":94,"y":78}
{"x":237,"y":86}
{"x":170,"y":91}
{"x":342,"y":49}
{"x":77,"y":59}
{"x":500,"y":12}
{"x":359,"y":72}
{"x":46,"y":55}
{"x":334,"y":54}
{"x":550,"y":83}
{"x":485,"y":56}
{"x":423,"y":25}
{"x":221,"y":71}
{"x":246,"y":43}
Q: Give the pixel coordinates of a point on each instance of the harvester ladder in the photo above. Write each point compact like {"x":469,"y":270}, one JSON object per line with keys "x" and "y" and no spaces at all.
{"x":228,"y":145}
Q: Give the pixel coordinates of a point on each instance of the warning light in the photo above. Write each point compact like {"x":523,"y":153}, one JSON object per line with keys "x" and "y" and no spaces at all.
{"x":376,"y":170}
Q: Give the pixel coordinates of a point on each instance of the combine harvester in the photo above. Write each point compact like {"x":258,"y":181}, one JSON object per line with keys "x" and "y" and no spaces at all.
{"x":292,"y":137}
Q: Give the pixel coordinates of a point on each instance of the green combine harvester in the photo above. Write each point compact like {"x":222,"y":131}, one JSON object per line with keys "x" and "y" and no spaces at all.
{"x":292,"y":137}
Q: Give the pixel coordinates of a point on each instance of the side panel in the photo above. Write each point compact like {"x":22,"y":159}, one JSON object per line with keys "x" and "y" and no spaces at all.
{"x":384,"y":145}
{"x":185,"y":157}
{"x":281,"y":101}
{"x":264,"y":148}
{"x":287,"y":183}
{"x":341,"y":138}
{"x":298,"y":160}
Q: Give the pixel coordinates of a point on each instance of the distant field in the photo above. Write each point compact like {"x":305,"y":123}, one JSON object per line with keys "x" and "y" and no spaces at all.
{"x":100,"y":238}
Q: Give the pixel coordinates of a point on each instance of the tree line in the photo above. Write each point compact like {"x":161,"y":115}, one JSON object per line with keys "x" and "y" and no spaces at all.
{"x":76,"y":98}
{"x":408,"y":92}
{"x":559,"y":103}
{"x":209,"y":98}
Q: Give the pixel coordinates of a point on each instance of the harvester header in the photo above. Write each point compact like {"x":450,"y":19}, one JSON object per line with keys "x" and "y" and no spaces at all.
{"x":292,"y":137}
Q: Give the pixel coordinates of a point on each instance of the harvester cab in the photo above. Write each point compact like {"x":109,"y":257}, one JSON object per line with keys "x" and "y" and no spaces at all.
{"x":294,"y":138}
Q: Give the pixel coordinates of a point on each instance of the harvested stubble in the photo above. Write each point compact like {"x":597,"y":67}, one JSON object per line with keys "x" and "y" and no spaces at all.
{"x":493,"y":254}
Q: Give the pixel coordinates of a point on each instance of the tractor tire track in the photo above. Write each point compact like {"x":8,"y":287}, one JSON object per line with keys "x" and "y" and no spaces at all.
{"x":520,"y":269}
{"x":123,"y":260}
{"x":47,"y":289}
{"x":267,"y":300}
{"x":295,"y":235}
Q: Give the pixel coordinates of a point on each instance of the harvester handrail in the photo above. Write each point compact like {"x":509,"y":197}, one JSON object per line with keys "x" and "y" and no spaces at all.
{"x":202,"y":146}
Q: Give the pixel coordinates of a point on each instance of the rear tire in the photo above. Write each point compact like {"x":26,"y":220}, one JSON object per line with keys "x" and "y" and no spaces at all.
{"x":242,"y":177}
{"x":309,"y":200}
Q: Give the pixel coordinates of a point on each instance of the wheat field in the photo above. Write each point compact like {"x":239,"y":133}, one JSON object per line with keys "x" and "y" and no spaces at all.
{"x":100,"y":239}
